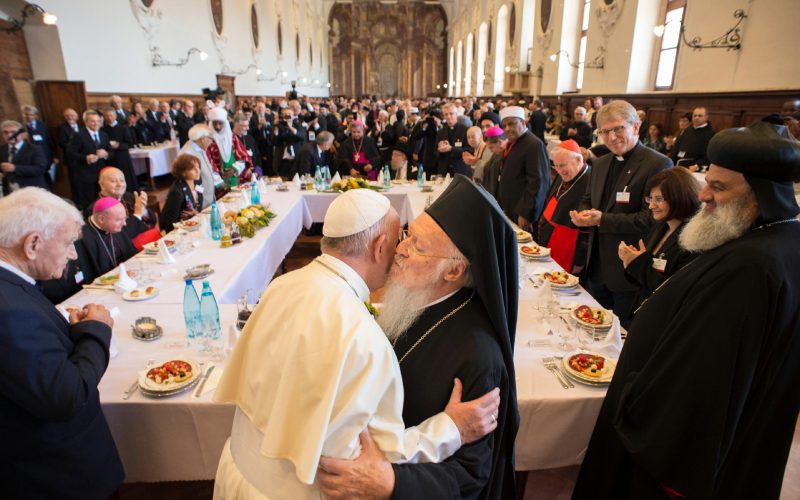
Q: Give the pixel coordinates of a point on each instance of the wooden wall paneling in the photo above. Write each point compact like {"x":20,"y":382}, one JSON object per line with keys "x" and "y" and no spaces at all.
{"x":53,"y":97}
{"x":15,"y":64}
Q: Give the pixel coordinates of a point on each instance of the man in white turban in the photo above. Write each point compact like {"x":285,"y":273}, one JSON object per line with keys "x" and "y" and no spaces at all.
{"x":227,"y":153}
{"x":307,"y":381}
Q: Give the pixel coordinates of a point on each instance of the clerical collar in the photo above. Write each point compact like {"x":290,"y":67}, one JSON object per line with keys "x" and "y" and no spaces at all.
{"x":15,"y":270}
{"x":701,"y":126}
{"x":441,"y":299}
{"x":346,"y":273}
{"x":626,"y":156}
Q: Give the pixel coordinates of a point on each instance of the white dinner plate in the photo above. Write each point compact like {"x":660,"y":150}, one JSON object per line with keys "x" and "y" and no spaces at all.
{"x":607,"y":373}
{"x":163,"y":389}
{"x":544,"y":252}
{"x":143,"y":295}
{"x":572,"y":282}
{"x":608,"y":319}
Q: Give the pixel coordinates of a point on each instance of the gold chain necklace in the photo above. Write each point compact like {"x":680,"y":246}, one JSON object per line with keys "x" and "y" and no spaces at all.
{"x":433,"y":328}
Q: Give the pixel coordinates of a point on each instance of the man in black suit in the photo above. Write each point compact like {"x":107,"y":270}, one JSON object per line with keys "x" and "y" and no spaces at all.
{"x":241,"y":129}
{"x":314,"y":154}
{"x":331,"y":122}
{"x":155,"y":121}
{"x":37,"y":132}
{"x":121,"y":138}
{"x":451,"y":141}
{"x":21,"y":163}
{"x":537,"y":121}
{"x":525,"y":170}
{"x":116,"y":104}
{"x":88,"y":152}
{"x":578,"y":129}
{"x":614,"y":205}
{"x":288,"y":136}
{"x":168,"y":125}
{"x":56,"y":442}
{"x":261,"y":130}
{"x":185,"y":121}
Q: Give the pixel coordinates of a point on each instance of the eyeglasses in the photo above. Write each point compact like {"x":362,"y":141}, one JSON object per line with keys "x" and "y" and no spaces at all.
{"x":412,"y":248}
{"x":615,"y":130}
{"x":658,"y":200}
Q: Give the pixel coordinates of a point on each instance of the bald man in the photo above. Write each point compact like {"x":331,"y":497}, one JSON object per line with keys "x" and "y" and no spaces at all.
{"x":113,"y":185}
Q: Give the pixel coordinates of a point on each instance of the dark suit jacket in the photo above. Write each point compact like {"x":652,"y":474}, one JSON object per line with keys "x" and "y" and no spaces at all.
{"x":252,"y":149}
{"x":41,"y":137}
{"x":344,"y":156}
{"x":98,"y":262}
{"x":122,"y":158}
{"x":80,"y":147}
{"x":65,"y":133}
{"x":30,"y":164}
{"x":537,"y":124}
{"x":525,"y":179}
{"x":56,"y":442}
{"x":626,"y":222}
{"x":308,"y":159}
{"x":156,"y":127}
{"x":179,"y":198}
{"x":452,"y":161}
{"x":583,"y":135}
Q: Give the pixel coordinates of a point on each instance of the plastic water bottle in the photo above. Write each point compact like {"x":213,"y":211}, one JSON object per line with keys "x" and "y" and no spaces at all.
{"x":326,"y":177}
{"x":318,"y":182}
{"x":191,"y":312}
{"x":387,"y":177}
{"x":209,"y":313}
{"x":216,"y":222}
{"x":255,"y":196}
{"x":420,"y":176}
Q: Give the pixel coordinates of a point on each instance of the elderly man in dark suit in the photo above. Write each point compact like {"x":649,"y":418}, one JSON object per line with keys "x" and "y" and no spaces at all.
{"x":525,"y":170}
{"x":121,"y":138}
{"x":614,"y":207}
{"x":451,"y":142}
{"x":87,"y":153}
{"x":56,"y":442}
{"x":21,"y":163}
{"x":37,"y":131}
{"x":314,"y":154}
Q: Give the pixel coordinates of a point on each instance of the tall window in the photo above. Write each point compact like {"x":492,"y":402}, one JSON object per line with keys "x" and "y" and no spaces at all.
{"x":587,"y":9}
{"x":670,"y":33}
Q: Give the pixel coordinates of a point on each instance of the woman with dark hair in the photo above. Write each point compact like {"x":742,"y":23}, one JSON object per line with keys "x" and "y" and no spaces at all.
{"x":673,"y":200}
{"x":655,"y":138}
{"x":184,"y":198}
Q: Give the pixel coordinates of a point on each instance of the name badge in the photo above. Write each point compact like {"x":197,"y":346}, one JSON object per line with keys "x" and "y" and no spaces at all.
{"x":659,"y":264}
{"x":250,"y":152}
{"x":357,"y":157}
{"x":198,"y":188}
{"x":37,"y":137}
{"x":79,"y":277}
{"x":458,"y":144}
{"x":623,"y":197}
{"x":681,"y":154}
{"x":380,"y":141}
{"x":311,"y":135}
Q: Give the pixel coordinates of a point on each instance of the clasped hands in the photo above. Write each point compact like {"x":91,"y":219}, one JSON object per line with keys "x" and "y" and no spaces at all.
{"x":627,"y":253}
{"x":371,"y":475}
{"x":444,"y":147}
{"x":586,"y":218}
{"x":91,"y":312}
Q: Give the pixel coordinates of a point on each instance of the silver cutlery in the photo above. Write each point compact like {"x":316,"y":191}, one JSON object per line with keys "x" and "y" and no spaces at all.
{"x":561,"y":369}
{"x":566,"y":292}
{"x":202,"y":383}
{"x":549,"y":364}
{"x":135,"y":385}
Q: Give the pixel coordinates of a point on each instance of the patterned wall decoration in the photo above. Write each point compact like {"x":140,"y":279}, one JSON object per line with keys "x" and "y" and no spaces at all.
{"x":254,"y":25}
{"x":216,"y":14}
{"x":387,"y":49}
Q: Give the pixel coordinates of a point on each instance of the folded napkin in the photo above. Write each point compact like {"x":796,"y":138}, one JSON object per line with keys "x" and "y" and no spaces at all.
{"x":164,"y":256}
{"x":337,"y":178}
{"x":380,"y":177}
{"x":296,"y":180}
{"x":212,"y":382}
{"x":125,"y":282}
{"x":611,"y":344}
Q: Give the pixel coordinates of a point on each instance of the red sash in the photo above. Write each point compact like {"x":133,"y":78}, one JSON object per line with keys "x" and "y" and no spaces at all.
{"x":563,"y":240}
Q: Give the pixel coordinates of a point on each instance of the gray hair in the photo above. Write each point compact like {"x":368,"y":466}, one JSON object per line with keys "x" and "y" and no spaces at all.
{"x":30,"y":109}
{"x":324,"y":137}
{"x":199,"y":131}
{"x":619,"y":109}
{"x":33,"y":210}
{"x":567,"y":153}
{"x":355,"y":245}
{"x":88,"y":113}
{"x":10,"y":123}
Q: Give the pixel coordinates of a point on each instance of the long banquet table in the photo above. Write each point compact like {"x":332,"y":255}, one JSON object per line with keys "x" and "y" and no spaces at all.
{"x":181,"y":437}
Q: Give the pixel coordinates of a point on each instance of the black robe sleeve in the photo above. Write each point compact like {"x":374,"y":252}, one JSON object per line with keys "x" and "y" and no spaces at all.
{"x":174,"y":204}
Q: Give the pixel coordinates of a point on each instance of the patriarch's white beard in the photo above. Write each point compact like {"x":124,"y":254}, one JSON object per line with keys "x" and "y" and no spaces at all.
{"x":710,"y":229}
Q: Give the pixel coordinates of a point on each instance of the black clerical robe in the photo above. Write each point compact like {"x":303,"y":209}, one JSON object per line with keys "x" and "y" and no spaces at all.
{"x":704,"y":399}
{"x":463,"y":346}
{"x":100,"y":256}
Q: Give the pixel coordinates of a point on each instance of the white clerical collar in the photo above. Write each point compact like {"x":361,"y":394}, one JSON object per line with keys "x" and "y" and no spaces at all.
{"x":701,"y":126}
{"x":12,"y":269}
{"x":347,"y":273}
{"x":441,"y":299}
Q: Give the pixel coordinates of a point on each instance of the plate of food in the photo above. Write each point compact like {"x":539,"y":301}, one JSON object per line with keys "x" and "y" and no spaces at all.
{"x":534,"y":251}
{"x":593,"y":317}
{"x":523,"y":236}
{"x":560,"y":279}
{"x":152,"y":247}
{"x":110,"y":279}
{"x":589,"y":368}
{"x":138,"y":294}
{"x":170,"y":377}
{"x":188,"y":225}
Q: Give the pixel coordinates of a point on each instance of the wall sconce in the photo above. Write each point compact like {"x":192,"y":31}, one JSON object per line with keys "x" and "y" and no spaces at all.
{"x":158,"y":59}
{"x":29,"y":10}
{"x":444,"y":85}
{"x":730,"y":40}
{"x":598,"y":62}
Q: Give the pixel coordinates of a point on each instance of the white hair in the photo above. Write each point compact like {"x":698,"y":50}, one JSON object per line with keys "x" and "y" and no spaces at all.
{"x":30,"y":109}
{"x":10,"y":123}
{"x":567,"y":153}
{"x":33,"y":210}
{"x":199,"y":131}
{"x":88,"y":113}
{"x":354,"y":245}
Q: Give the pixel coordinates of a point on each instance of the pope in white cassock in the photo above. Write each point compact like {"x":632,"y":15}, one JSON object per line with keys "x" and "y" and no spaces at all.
{"x":313,"y":369}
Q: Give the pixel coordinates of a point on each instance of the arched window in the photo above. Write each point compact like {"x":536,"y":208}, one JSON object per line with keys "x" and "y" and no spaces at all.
{"x":501,"y":35}
{"x":459,"y":60}
{"x":483,"y":47}
{"x":468,"y":64}
{"x":587,"y":10}
{"x":670,"y":33}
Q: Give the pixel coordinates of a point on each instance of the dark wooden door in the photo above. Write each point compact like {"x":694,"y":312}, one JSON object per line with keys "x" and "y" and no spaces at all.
{"x":53,"y":98}
{"x":228,"y":84}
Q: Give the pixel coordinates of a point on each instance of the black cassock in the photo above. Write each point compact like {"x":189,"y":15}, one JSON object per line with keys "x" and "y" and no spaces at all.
{"x":463,"y":346}
{"x":705,"y":395}
{"x":100,"y":256}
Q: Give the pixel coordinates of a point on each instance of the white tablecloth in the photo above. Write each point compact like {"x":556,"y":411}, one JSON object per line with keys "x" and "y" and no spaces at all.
{"x":555,"y":423}
{"x":155,"y":158}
